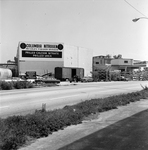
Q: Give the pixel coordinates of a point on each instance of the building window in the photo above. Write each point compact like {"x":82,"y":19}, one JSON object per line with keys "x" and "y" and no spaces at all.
{"x":97,"y":62}
{"x":101,"y":62}
{"x":125,"y":61}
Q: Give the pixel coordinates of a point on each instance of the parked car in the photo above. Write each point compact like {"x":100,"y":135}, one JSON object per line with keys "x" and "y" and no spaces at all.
{"x":87,"y":79}
{"x":31,"y":80}
{"x":123,"y":78}
{"x":50,"y":80}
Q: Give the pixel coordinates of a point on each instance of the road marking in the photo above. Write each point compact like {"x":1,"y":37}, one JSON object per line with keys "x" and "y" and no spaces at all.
{"x":2,"y":107}
{"x":65,"y":96}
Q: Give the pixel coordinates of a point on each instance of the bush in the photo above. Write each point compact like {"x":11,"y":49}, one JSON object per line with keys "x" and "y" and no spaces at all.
{"x":6,"y":85}
{"x":15,"y":85}
{"x":12,"y":133}
{"x":13,"y":140}
{"x":22,"y":84}
{"x":144,"y":87}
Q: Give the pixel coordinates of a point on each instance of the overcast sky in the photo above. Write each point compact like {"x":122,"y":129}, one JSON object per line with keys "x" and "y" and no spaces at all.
{"x":105,"y":26}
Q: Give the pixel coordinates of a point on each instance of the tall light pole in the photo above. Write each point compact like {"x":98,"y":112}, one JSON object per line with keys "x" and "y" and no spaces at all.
{"x":136,"y":19}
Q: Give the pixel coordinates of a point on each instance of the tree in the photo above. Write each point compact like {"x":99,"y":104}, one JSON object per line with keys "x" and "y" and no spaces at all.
{"x":108,"y":56}
{"x":117,"y":56}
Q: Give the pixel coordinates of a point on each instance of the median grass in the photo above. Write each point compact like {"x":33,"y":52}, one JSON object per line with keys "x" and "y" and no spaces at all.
{"x":17,"y":130}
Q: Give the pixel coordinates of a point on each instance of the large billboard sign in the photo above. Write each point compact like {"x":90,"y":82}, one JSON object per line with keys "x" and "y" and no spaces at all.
{"x":28,"y":50}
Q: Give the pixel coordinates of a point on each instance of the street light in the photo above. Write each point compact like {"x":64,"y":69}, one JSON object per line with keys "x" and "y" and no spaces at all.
{"x":136,"y":19}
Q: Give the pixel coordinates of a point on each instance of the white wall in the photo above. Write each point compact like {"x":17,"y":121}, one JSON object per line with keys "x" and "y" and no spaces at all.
{"x":75,"y":56}
{"x":85,"y":60}
{"x":70,"y":56}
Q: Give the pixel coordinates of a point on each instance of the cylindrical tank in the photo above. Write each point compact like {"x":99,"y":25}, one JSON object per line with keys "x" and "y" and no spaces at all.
{"x":5,"y":73}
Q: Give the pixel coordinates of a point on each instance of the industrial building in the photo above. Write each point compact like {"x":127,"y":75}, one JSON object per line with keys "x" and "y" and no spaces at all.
{"x":102,"y":65}
{"x":62,"y":60}
{"x":123,"y":64}
{"x":101,"y":62}
{"x":43,"y":58}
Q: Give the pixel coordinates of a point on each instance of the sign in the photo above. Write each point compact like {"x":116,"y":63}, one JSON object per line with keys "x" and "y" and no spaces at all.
{"x":42,"y":54}
{"x":41,"y":46}
{"x":31,"y":74}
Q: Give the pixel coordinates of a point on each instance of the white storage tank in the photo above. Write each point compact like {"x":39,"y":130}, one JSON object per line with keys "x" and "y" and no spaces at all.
{"x":5,"y":73}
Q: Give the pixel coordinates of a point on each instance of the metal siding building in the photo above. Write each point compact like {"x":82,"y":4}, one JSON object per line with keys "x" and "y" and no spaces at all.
{"x":122,"y":62}
{"x":44,"y":57}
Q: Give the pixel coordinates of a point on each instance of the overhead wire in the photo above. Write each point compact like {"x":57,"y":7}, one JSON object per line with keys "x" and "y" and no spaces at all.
{"x":135,"y":8}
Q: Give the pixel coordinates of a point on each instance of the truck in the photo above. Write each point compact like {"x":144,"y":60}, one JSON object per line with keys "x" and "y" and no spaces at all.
{"x":69,"y":73}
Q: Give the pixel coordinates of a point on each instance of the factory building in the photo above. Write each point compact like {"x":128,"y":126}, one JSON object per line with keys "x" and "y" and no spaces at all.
{"x":122,"y":64}
{"x":45,"y":57}
{"x":101,"y":62}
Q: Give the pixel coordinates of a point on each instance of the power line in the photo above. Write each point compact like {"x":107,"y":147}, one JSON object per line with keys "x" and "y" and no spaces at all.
{"x":135,"y":8}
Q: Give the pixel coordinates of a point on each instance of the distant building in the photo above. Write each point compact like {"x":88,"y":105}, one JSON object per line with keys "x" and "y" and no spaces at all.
{"x":101,"y":62}
{"x":127,"y":65}
{"x":119,"y":63}
{"x":143,"y":64}
{"x":10,"y":62}
{"x":122,"y":64}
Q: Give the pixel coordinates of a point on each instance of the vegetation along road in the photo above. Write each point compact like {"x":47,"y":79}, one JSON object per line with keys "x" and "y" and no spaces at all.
{"x":25,"y":101}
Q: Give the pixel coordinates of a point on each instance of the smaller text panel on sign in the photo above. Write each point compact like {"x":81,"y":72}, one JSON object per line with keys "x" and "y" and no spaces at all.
{"x":42,"y":54}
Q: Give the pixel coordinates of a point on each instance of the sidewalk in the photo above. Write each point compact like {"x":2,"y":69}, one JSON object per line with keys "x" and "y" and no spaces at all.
{"x":72,"y":133}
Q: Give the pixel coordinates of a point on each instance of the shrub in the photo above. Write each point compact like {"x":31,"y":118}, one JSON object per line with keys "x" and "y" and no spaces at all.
{"x":144,"y":87}
{"x":6,"y":85}
{"x":13,"y":139}
{"x":13,"y":134}
{"x":22,"y":84}
{"x":15,"y":85}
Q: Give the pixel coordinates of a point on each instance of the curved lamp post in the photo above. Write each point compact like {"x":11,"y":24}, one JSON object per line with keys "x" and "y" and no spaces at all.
{"x":136,"y":19}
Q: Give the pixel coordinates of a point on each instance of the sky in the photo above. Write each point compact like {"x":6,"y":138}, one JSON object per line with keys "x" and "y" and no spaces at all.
{"x":104,"y":26}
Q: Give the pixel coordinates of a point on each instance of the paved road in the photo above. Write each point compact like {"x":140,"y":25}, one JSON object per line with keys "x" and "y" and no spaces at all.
{"x":28,"y":100}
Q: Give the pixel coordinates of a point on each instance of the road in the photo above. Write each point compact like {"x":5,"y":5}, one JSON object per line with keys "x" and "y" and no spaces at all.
{"x":20,"y":102}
